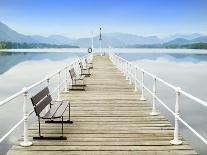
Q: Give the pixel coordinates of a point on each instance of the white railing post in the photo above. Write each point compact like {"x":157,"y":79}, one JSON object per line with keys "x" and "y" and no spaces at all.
{"x":130,"y":74}
{"x":48,"y":107}
{"x":26,"y":142}
{"x":124,"y":68}
{"x":112,"y":58}
{"x":142,"y":98}
{"x":66,"y":80}
{"x":58,"y":90}
{"x":154,"y":113}
{"x":127,"y":71}
{"x":176,"y":140}
{"x":119,"y":64}
{"x":135,"y":80}
{"x":48,"y":82}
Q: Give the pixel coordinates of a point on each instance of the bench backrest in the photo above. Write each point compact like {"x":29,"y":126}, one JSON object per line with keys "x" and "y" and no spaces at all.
{"x":72,"y":73}
{"x":41,"y":100}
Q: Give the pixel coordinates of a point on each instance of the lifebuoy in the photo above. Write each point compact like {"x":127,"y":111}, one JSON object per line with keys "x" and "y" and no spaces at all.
{"x":90,"y":50}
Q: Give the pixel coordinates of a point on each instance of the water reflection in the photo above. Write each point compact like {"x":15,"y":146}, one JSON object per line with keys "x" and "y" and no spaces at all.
{"x":23,"y":69}
{"x":10,"y":59}
{"x":177,"y":57}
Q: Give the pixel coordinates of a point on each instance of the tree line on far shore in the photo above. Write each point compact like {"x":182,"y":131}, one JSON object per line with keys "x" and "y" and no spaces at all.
{"x":173,"y":46}
{"x":14,"y":45}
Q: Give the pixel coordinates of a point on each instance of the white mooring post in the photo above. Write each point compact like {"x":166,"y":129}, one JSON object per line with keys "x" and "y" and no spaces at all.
{"x":26,"y":142}
{"x":135,"y":80}
{"x":154,"y":113}
{"x":58,"y":91}
{"x":142,"y":96}
{"x":66,"y":80}
{"x":176,"y":140}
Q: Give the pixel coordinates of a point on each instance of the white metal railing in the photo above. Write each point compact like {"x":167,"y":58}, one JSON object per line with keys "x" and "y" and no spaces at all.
{"x":26,"y":90}
{"x":130,"y":70}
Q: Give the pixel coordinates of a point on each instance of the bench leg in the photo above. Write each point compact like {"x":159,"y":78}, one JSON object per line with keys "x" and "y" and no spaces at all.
{"x":49,"y":138}
{"x":77,"y":87}
{"x":69,"y":115}
{"x":62,"y":126}
{"x":39,"y":127}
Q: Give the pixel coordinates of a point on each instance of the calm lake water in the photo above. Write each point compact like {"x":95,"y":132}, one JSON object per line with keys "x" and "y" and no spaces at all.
{"x":184,"y":68}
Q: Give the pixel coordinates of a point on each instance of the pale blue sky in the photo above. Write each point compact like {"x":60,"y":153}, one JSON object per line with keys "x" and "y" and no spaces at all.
{"x":76,"y":18}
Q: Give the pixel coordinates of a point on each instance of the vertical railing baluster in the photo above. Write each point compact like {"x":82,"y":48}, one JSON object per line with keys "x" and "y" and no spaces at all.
{"x":26,"y":142}
{"x":154,"y":113}
{"x":124,"y":68}
{"x":142,"y":98}
{"x":66,"y":80}
{"x":135,"y":80}
{"x":176,"y":140}
{"x":58,"y":91}
{"x":119,"y":64}
{"x":130,"y":74}
{"x":48,"y":107}
{"x":127,"y":70}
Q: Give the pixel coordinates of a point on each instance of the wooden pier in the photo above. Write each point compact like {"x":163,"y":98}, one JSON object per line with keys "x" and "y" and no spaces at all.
{"x":108,"y":118}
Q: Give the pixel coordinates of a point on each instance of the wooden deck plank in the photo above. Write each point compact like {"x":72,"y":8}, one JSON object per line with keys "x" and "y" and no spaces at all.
{"x":109,"y":119}
{"x":92,"y":152}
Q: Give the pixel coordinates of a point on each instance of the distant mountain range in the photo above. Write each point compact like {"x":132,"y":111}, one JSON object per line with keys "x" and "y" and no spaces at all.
{"x":187,"y":37}
{"x":182,"y":41}
{"x":109,"y":39}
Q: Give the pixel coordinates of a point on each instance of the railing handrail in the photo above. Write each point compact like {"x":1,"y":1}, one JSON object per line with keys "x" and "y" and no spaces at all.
{"x":25,"y":90}
{"x":200,"y":101}
{"x":178,"y":91}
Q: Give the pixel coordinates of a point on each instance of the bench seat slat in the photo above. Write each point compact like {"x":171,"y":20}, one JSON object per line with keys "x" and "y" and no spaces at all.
{"x":80,"y":78}
{"x":52,"y":110}
{"x":57,"y":110}
{"x":61,"y":109}
{"x":85,"y":69}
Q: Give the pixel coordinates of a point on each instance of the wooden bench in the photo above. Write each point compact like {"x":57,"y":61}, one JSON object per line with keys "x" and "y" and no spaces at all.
{"x":89,"y":64}
{"x":84,"y":71}
{"x":43,"y":99}
{"x":75,"y":81}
